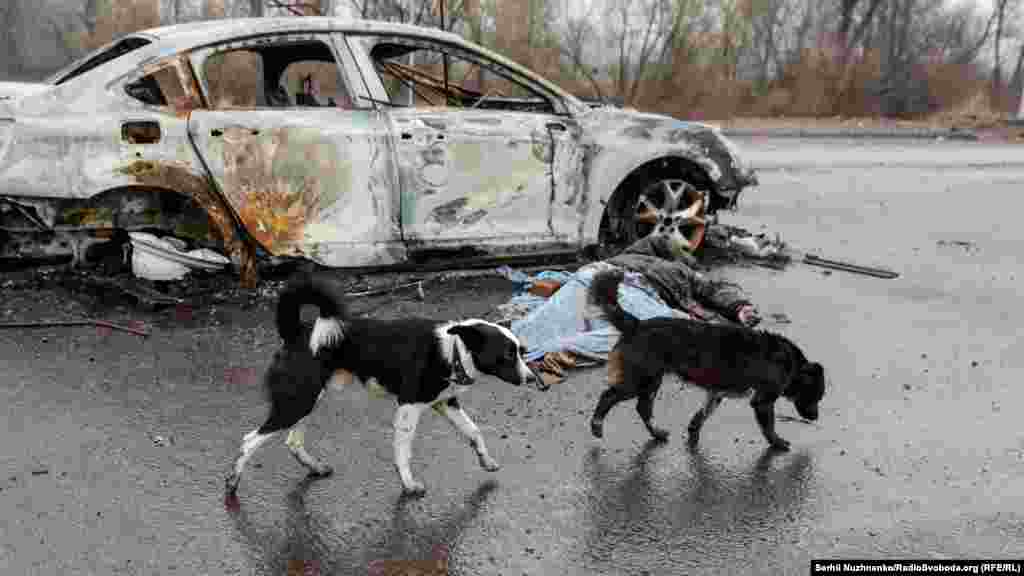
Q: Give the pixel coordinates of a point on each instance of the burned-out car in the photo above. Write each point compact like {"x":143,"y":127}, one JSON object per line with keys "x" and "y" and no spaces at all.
{"x":350,"y":143}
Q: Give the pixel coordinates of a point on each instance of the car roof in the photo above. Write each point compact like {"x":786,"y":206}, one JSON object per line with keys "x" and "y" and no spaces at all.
{"x":194,"y":34}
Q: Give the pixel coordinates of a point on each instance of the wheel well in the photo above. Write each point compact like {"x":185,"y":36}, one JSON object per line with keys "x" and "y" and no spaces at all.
{"x":156,"y":207}
{"x":85,"y":230}
{"x":609,"y":231}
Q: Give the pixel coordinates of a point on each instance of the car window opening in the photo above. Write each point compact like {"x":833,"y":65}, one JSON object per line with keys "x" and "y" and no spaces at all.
{"x":295,"y":74}
{"x":421,"y":70}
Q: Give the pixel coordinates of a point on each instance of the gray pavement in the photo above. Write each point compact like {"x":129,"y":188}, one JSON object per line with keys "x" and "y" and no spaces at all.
{"x":116,"y":448}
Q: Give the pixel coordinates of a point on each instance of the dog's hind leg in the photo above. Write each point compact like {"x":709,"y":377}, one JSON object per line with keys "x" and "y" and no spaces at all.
{"x":250,"y":443}
{"x":296,"y":444}
{"x":645,"y":408}
{"x":609,"y":398}
{"x":406,"y":418}
{"x":711,"y":403}
{"x":469,"y":430}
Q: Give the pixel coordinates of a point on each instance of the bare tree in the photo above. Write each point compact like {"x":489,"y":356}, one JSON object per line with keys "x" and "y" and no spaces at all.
{"x":575,"y":45}
{"x":11,"y":19}
{"x":298,"y":7}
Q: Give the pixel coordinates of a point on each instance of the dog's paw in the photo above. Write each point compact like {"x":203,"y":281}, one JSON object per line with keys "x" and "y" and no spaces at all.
{"x":414,"y":489}
{"x":231,"y":484}
{"x":597,"y":428}
{"x":490,"y":464}
{"x":231,"y":502}
{"x":780,"y":444}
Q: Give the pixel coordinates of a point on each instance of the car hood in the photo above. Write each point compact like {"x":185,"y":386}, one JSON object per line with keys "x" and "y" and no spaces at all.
{"x":611,"y":126}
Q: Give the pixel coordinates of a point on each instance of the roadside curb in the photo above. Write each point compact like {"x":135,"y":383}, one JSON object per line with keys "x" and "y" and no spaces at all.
{"x":866,"y":133}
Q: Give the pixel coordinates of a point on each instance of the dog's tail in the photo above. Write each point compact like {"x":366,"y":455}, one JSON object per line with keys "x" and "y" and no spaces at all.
{"x":311,"y":290}
{"x":604,"y":292}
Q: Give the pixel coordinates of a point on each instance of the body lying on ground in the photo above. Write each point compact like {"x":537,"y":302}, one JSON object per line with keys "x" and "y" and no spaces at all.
{"x":561,"y":332}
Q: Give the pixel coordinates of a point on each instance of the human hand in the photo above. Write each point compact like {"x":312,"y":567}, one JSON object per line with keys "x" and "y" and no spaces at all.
{"x":748,"y":315}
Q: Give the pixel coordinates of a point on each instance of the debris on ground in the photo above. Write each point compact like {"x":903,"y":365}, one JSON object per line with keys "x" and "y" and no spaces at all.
{"x":735,"y":245}
{"x":66,"y":323}
{"x":166,"y":258}
{"x":963,"y":244}
{"x":848,"y":267}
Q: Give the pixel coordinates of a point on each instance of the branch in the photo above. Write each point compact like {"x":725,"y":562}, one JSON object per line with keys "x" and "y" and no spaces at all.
{"x":970,"y":53}
{"x":574,"y":52}
{"x":296,"y":7}
{"x":858,"y":33}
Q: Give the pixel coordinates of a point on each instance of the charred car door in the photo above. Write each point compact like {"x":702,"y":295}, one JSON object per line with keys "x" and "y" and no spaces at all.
{"x":307,"y":169}
{"x":484,"y":159}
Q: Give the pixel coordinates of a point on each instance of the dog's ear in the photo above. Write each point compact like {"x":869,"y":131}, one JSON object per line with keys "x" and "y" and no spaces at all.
{"x":470,"y":336}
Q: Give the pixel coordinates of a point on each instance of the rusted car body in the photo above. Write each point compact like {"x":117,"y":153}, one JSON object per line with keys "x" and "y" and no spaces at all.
{"x":199,"y":131}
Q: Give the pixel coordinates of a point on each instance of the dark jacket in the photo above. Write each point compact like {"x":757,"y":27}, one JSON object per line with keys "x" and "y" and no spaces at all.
{"x":678,"y":282}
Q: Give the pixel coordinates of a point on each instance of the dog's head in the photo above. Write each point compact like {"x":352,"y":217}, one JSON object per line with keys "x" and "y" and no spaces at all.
{"x":496,"y":351}
{"x":808,"y":389}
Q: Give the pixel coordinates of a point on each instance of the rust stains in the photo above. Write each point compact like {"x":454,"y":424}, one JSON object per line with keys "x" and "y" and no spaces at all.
{"x":276,"y":217}
{"x":180,"y":179}
{"x":275,"y":187}
{"x":177,"y":83}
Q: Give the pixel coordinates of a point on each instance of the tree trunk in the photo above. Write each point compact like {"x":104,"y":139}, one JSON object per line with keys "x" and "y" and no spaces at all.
{"x":1017,"y":82}
{"x":13,"y":60}
{"x":214,"y":9}
{"x":90,"y":16}
{"x":256,"y":8}
{"x":512,"y":22}
{"x":472,"y":7}
{"x":997,"y":72}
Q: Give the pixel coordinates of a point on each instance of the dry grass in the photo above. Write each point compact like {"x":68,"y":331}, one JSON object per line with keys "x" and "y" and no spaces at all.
{"x":119,"y":18}
{"x":813,"y":87}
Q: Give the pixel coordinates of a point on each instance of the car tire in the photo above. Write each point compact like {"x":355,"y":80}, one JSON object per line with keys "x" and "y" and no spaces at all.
{"x":646,"y":202}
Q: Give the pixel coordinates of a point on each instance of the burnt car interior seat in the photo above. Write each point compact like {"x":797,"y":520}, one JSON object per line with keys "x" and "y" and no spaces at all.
{"x":305,"y":96}
{"x":277,"y":97}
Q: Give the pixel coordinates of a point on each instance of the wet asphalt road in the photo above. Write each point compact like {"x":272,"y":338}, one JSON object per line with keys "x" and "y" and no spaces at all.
{"x":116,"y":448}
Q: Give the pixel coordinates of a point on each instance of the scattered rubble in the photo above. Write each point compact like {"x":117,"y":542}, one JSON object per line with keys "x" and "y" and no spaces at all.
{"x":967,"y":246}
{"x":102,"y":323}
{"x":165,"y":258}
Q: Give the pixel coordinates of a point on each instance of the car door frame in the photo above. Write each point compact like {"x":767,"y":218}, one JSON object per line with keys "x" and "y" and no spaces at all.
{"x":565,"y":206}
{"x":322,"y":240}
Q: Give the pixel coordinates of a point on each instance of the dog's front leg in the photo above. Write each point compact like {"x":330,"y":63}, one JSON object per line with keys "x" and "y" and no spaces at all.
{"x":764,"y":411}
{"x":469,"y":430}
{"x":406,"y":418}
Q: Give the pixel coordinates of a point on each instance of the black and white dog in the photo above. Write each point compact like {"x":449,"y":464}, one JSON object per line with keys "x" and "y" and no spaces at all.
{"x":422,"y":363}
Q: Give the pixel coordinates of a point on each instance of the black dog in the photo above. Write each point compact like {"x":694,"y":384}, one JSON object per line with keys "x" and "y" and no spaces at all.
{"x":724,"y":360}
{"x":423,"y":363}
